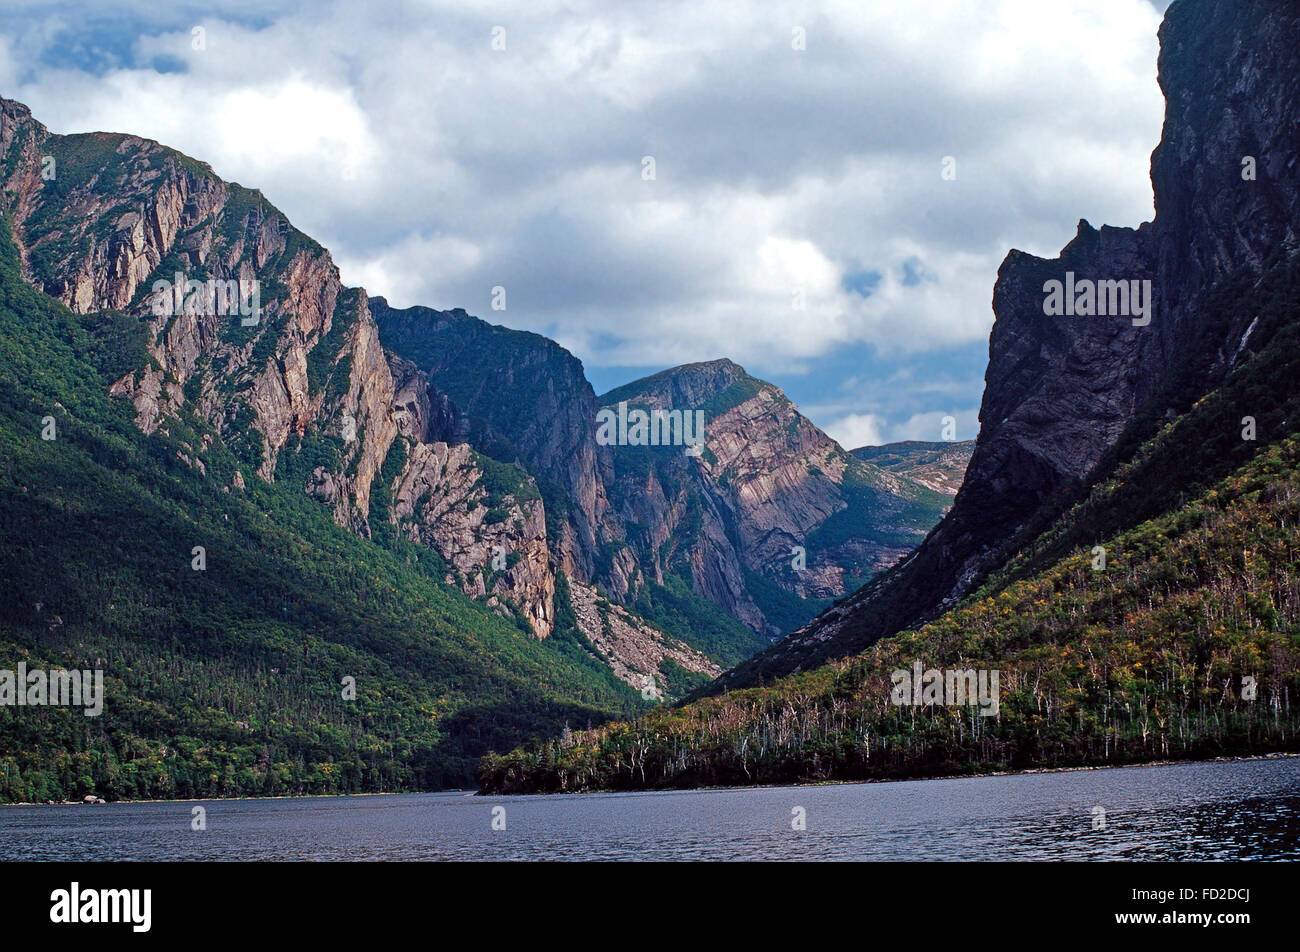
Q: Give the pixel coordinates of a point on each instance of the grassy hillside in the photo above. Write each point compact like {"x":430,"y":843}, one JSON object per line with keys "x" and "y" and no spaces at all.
{"x":876,"y":512}
{"x":1141,"y":660}
{"x":696,"y":621}
{"x":227,"y":681}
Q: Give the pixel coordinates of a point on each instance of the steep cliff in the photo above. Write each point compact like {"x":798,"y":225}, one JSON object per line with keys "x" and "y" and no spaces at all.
{"x":521,"y":397}
{"x":1069,"y":397}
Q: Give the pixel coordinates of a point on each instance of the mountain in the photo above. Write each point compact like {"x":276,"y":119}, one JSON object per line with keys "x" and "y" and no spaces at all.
{"x":262,"y":484}
{"x":522,"y":400}
{"x":518,"y":396}
{"x":1068,"y":400}
{"x":937,"y":466}
{"x":1120,"y":552}
{"x":771,"y":517}
{"x":302,"y":391}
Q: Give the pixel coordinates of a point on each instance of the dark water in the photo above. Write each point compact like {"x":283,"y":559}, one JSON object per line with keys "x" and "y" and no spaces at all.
{"x":1221,"y":811}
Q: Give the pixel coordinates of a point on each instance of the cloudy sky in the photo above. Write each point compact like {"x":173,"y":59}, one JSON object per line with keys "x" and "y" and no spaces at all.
{"x":440,"y":150}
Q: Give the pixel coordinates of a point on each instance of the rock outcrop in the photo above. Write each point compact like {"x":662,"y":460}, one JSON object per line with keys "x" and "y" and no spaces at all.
{"x":524,"y":398}
{"x":494,"y":544}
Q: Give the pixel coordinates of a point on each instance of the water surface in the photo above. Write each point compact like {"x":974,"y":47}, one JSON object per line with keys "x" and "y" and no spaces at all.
{"x":1218,"y":811}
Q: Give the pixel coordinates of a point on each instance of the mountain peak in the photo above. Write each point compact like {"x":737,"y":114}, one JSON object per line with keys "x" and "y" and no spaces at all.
{"x":720,"y":365}
{"x":716,"y":385}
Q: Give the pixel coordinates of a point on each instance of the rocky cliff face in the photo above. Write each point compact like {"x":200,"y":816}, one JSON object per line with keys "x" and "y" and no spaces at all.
{"x":1061,"y":389}
{"x":495,"y":543}
{"x":519,"y":397}
{"x":109,"y":222}
{"x":768,"y":497}
{"x":244,"y":323}
{"x":487,"y":520}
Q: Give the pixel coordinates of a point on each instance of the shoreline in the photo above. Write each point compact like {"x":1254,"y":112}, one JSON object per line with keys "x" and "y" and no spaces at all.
{"x":1280,"y":755}
{"x":278,"y":796}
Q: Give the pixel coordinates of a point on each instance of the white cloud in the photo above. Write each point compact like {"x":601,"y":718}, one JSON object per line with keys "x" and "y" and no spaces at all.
{"x":402,"y":273}
{"x":852,"y":430}
{"x":435,"y":167}
{"x":857,"y":429}
{"x":8,"y":68}
{"x":931,"y":427}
